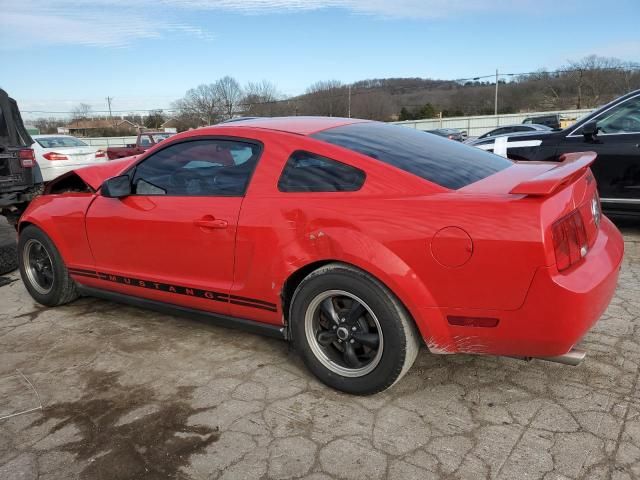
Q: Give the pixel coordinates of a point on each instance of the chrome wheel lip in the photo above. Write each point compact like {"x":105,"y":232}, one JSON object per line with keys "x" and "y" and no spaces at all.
{"x":318,"y":350}
{"x":31,"y":269}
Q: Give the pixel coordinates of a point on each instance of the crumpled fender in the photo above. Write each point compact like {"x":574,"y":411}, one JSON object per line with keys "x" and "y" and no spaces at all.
{"x":95,"y":175}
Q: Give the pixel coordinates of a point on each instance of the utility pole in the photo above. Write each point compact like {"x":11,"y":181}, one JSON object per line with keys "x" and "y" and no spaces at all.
{"x":109,"y":99}
{"x":349,"y":100}
{"x":495,"y":108}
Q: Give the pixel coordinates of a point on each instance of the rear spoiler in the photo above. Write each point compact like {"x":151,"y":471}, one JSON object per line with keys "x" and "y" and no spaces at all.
{"x":571,"y":166}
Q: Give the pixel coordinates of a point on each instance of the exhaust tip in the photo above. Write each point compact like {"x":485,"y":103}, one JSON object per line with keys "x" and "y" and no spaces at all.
{"x":574,"y":357}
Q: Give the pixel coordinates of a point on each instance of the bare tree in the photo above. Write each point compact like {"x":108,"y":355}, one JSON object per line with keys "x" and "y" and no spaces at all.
{"x":261,"y":99}
{"x":48,"y":125}
{"x":199,"y":103}
{"x":373,"y":105}
{"x":328,"y":98}
{"x":229,"y":95}
{"x":593,"y":76}
{"x":82,"y":111}
{"x":155,"y":119}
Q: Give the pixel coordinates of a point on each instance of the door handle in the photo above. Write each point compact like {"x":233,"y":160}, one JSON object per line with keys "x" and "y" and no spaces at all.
{"x":211,"y":222}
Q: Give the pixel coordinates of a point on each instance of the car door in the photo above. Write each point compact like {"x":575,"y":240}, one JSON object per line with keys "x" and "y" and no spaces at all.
{"x":617,"y":168}
{"x":173,"y":238}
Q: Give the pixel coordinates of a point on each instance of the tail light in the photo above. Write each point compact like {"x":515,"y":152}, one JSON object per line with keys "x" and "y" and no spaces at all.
{"x":569,"y":240}
{"x":27,"y":159}
{"x":52,"y":156}
{"x":101,"y":154}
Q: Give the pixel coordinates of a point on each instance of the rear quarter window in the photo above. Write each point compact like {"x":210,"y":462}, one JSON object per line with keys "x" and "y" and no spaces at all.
{"x":439,"y":160}
{"x":308,"y":172}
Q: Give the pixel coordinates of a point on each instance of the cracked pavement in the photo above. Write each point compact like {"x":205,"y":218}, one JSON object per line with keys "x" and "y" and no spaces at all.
{"x":115,"y":392}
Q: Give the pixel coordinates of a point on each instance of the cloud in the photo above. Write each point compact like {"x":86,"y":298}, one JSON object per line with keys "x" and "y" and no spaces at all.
{"x":92,"y":24}
{"x":119,"y":23}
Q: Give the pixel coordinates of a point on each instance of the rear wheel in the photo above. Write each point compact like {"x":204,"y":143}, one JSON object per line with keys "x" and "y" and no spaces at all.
{"x":352,"y":332}
{"x":42,"y":270}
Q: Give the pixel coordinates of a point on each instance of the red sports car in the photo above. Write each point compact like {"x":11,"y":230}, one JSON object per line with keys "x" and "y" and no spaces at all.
{"x":355,"y":240}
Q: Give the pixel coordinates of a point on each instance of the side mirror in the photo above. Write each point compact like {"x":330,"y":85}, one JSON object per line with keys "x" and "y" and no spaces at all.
{"x":116,"y":187}
{"x":590,"y":130}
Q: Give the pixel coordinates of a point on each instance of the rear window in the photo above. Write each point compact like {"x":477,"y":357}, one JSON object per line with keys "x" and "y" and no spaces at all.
{"x":60,"y":142}
{"x":439,"y":160}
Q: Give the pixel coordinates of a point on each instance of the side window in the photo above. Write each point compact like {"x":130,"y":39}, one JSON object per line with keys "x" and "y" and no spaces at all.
{"x":198,"y":168}
{"x":145,"y":141}
{"x":623,"y":118}
{"x":308,"y":172}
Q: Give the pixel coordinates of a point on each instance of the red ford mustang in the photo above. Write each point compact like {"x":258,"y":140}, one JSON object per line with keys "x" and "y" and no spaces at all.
{"x":355,"y":240}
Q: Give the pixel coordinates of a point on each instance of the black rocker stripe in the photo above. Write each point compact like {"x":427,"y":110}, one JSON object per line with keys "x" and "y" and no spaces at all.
{"x":83,"y":270}
{"x":177,"y":289}
{"x":249,"y":300}
{"x":82,"y":273}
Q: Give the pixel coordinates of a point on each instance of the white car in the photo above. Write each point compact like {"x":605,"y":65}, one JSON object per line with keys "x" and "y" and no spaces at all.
{"x":58,"y":154}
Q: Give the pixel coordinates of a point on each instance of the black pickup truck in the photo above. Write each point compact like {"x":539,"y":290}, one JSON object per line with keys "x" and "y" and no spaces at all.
{"x":20,"y":178}
{"x":612,"y":131}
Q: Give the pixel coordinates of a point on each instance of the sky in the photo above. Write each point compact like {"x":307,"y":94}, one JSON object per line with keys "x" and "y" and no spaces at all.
{"x":147,"y":53}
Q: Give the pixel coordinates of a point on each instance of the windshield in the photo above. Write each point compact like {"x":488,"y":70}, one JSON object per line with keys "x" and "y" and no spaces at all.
{"x":449,"y":164}
{"x":623,"y":118}
{"x":158,"y":137}
{"x":60,"y":142}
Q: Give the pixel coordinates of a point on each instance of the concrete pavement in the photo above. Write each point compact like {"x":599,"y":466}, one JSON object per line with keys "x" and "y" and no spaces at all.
{"x":115,"y":392}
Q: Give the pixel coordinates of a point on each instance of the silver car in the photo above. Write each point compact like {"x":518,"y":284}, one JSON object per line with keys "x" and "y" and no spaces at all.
{"x":58,"y":154}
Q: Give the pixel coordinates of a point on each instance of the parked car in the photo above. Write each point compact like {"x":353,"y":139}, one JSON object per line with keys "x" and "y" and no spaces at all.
{"x":57,"y":154}
{"x":612,"y":131}
{"x":144,"y":141}
{"x":508,"y":129}
{"x":450,"y":133}
{"x":20,"y":178}
{"x":552,"y":120}
{"x":355,"y":240}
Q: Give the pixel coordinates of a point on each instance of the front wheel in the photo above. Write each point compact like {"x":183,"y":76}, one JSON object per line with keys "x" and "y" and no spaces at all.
{"x":43,"y":272}
{"x":352,"y":332}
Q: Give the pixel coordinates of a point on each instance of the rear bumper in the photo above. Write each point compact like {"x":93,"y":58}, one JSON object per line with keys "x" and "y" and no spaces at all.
{"x":557,"y":312}
{"x":51,"y":172}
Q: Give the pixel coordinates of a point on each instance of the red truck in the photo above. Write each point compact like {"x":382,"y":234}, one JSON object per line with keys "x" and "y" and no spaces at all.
{"x":144,"y":141}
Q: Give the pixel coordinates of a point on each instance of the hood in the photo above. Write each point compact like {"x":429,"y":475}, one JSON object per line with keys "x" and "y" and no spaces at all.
{"x":94,"y":175}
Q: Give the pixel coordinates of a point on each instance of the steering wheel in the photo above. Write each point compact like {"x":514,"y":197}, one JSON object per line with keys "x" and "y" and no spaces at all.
{"x":186,"y":181}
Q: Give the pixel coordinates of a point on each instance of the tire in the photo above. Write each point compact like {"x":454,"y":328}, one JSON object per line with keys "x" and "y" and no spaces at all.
{"x":8,"y":258}
{"x":336,"y":313}
{"x":48,"y":283}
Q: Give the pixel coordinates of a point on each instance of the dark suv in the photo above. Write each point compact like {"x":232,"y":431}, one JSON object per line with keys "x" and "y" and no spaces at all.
{"x":612,"y":131}
{"x":20,"y":178}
